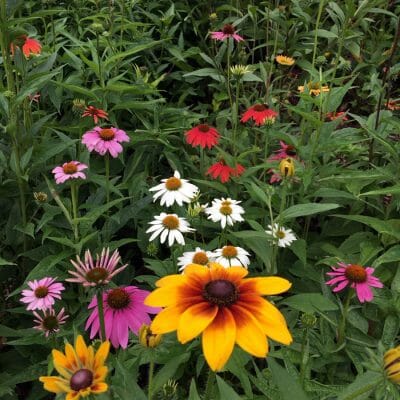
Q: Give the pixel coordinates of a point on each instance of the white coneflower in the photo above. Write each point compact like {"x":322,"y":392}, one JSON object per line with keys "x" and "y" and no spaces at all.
{"x":169,"y":225}
{"x":225,"y":210}
{"x":231,"y":256}
{"x":174,"y":189}
{"x":198,"y":256}
{"x":284,"y":236}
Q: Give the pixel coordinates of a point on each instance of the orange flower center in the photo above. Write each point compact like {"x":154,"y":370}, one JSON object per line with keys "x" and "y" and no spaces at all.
{"x":81,"y":379}
{"x":118,"y":298}
{"x":228,"y":29}
{"x":225,"y":210}
{"x":356,"y":273}
{"x":173,"y":183}
{"x":107,"y":134}
{"x":259,"y":107}
{"x":203,"y":128}
{"x":220,"y":292}
{"x":171,"y":222}
{"x":200,"y":258}
{"x":229,"y":251}
{"x":41,"y":291}
{"x":50,"y":323}
{"x":70,"y":168}
{"x":97,"y":275}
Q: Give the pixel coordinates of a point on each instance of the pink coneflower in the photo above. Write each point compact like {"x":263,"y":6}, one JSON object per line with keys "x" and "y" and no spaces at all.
{"x":357,"y":277}
{"x":103,"y":140}
{"x":224,"y":172}
{"x":49,"y":322}
{"x":95,"y":113}
{"x":69,"y":170}
{"x":28,"y":45}
{"x":332,"y":116}
{"x":124,"y":310}
{"x":42,"y":294}
{"x":260,"y":114}
{"x":90,"y":273}
{"x":227,"y":31}
{"x":285,"y":151}
{"x":202,"y":135}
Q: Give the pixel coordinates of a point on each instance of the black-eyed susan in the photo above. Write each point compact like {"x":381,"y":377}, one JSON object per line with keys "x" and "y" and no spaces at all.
{"x":222,"y":306}
{"x":286,"y":167}
{"x":82,"y":370}
{"x":391,"y":361}
{"x":284,"y":60}
{"x":314,"y":88}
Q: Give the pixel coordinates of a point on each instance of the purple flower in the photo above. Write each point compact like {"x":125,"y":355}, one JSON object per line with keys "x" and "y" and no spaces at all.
{"x":69,"y":170}
{"x":227,"y":31}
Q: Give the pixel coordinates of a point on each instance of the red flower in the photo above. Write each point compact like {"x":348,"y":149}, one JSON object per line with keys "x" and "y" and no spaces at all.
{"x":224,"y":172}
{"x":202,"y":135}
{"x":286,"y":150}
{"x":261,"y":114}
{"x":29,"y":45}
{"x":337,"y":115}
{"x":94,"y":112}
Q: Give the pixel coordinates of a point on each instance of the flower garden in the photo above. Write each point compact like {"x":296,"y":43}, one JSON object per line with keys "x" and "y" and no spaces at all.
{"x":200,"y":200}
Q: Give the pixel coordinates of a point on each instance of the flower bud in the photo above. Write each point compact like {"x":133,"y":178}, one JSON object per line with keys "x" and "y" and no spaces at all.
{"x":286,"y":167}
{"x":147,"y":338}
{"x":40,"y":197}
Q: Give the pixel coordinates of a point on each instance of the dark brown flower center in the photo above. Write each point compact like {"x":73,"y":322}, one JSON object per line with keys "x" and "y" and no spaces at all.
{"x":200,"y":258}
{"x":203,"y":128}
{"x":290,"y":150}
{"x":107,"y":134}
{"x":220,"y":292}
{"x":171,"y":222}
{"x":225,"y":210}
{"x":81,"y":379}
{"x":70,"y":168}
{"x":118,"y":298}
{"x":229,"y":251}
{"x":173,"y":183}
{"x":50,"y":323}
{"x":356,"y":273}
{"x":228,"y":29}
{"x":97,"y":275}
{"x":41,"y":291}
{"x":259,"y":107}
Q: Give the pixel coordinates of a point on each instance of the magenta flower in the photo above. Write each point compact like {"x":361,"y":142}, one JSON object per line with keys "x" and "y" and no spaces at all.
{"x":69,"y":170}
{"x":286,"y":151}
{"x":49,"y":322}
{"x":124,"y":310}
{"x":90,"y":273}
{"x":42,"y":294}
{"x":103,"y":140}
{"x":357,"y":277}
{"x":227,"y":31}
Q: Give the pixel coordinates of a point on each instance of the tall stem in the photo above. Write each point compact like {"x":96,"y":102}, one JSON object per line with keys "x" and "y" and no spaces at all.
{"x":107,"y":166}
{"x":304,"y":355}
{"x":321,"y":6}
{"x":209,"y":385}
{"x":150,"y":385}
{"x":342,"y":325}
{"x":99,"y":296}
{"x":74,"y":201}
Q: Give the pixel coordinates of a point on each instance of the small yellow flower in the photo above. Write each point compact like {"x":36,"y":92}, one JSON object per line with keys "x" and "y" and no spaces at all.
{"x":391,"y":361}
{"x":284,"y":60}
{"x":314,"y":88}
{"x":286,"y":167}
{"x":239,"y":70}
{"x":41,"y":197}
{"x":147,"y":338}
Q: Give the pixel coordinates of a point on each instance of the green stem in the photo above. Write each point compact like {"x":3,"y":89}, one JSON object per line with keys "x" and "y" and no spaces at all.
{"x":235,"y":117}
{"x":342,"y":325}
{"x":268,"y":83}
{"x":150,"y":386}
{"x":107,"y":166}
{"x":228,"y":72}
{"x":209,"y":385}
{"x":304,"y":355}
{"x":321,"y":6}
{"x":74,"y":201}
{"x":99,"y":296}
{"x":363,"y":390}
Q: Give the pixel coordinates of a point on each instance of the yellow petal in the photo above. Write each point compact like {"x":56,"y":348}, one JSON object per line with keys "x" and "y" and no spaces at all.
{"x":164,"y":296}
{"x":395,"y":377}
{"x":167,"y":320}
{"x":100,"y":387}
{"x":100,"y":374}
{"x":269,"y":285}
{"x":61,"y":364}
{"x":73,"y":396}
{"x":170,"y":280}
{"x":73,"y":362}
{"x":218,"y":339}
{"x":101,"y":354}
{"x":391,"y":355}
{"x":82,"y":351}
{"x":194,"y":320}
{"x":55,"y":384}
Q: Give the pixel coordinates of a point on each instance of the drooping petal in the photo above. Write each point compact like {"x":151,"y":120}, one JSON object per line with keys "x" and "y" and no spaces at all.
{"x":168,"y":319}
{"x":269,"y":285}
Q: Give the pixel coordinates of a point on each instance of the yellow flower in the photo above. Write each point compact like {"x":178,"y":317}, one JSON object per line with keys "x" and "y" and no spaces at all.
{"x":222,"y":306}
{"x":284,"y":60}
{"x":147,"y":338}
{"x":391,"y":361}
{"x":82,"y":371}
{"x":286,"y":167}
{"x":314,"y":88}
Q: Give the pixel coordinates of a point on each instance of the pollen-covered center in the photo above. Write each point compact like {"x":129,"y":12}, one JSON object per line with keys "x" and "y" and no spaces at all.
{"x":280,"y":234}
{"x":259,"y":107}
{"x":356,"y":273}
{"x":107,"y":134}
{"x":200,"y":258}
{"x":171,"y":222}
{"x":173,"y":183}
{"x":228,"y":29}
{"x":70,"y":168}
{"x":41,"y":291}
{"x":81,"y":379}
{"x":229,"y":251}
{"x":220,"y":292}
{"x":225,"y":210}
{"x":203,"y":128}
{"x":118,"y":298}
{"x":97,"y":275}
{"x":50,"y":323}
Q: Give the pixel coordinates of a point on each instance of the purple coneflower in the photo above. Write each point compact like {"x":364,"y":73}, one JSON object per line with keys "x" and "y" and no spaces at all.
{"x":69,"y":170}
{"x":49,"y":322}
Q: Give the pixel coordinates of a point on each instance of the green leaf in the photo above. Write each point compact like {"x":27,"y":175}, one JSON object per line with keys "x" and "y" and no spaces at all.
{"x":362,"y":387}
{"x":193,"y":394}
{"x":392,"y":255}
{"x":390,"y":329}
{"x":389,"y":190}
{"x":300,"y":210}
{"x":5,"y":262}
{"x":225,"y":391}
{"x":310,"y":302}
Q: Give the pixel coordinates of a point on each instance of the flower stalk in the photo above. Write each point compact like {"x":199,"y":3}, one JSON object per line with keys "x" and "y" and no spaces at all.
{"x":99,"y":297}
{"x":342,"y":325}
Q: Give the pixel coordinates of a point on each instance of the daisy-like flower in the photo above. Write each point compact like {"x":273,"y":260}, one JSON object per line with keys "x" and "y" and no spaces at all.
{"x":124,"y":311}
{"x":69,"y":170}
{"x":42,"y":293}
{"x":28,"y":45}
{"x":224,"y":172}
{"x":82,"y":370}
{"x":49,"y":322}
{"x":314,"y":88}
{"x":231,"y":256}
{"x":283,"y":236}
{"x":228,"y":31}
{"x":95,"y":113}
{"x":285,"y":151}
{"x":393,"y":105}
{"x":227,"y":211}
{"x":199,"y":256}
{"x":222,"y":306}
{"x":100,"y":272}
{"x":202,"y":135}
{"x":174,"y":190}
{"x":103,"y":140}
{"x":284,"y":60}
{"x":260,"y":114}
{"x":391,"y":361}
{"x":357,"y":277}
{"x":169,"y":225}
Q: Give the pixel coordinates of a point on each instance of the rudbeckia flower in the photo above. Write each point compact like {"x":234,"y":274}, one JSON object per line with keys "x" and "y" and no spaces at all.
{"x":223,"y":307}
{"x":260,"y":114}
{"x":202,"y":135}
{"x":314,"y":88}
{"x":224,"y":172}
{"x":82,"y":370}
{"x":227,"y":211}
{"x":95,"y":113}
{"x":391,"y":362}
{"x":284,"y":60}
{"x":227,"y":31}
{"x":69,"y":170}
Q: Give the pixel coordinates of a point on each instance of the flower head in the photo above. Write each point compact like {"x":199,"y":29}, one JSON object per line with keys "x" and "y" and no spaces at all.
{"x":147,"y":338}
{"x":285,"y":151}
{"x":124,"y":311}
{"x":284,"y":60}
{"x":332,"y":116}
{"x":227,"y":211}
{"x":314,"y":88}
{"x":357,"y":277}
{"x":199,"y":256}
{"x":231,"y":256}
{"x":283,"y":236}
{"x":95,"y":113}
{"x":42,"y":293}
{"x":223,"y":307}
{"x":49,"y":322}
{"x":393,"y":105}
{"x":260,"y":114}
{"x":227,"y":31}
{"x":286,"y":167}
{"x":174,"y":190}
{"x":28,"y":45}
{"x":224,"y":171}
{"x":202,"y":135}
{"x":103,"y":140}
{"x":82,"y":370}
{"x":391,"y":361}
{"x":97,"y":273}
{"x":69,"y":170}
{"x":240,"y":70}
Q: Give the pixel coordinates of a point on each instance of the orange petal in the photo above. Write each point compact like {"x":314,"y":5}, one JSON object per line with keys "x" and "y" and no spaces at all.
{"x":73,"y":396}
{"x":82,"y":351}
{"x":168,"y":296}
{"x":100,"y":374}
{"x":100,"y":387}
{"x":101,"y":354}
{"x":218,"y":339}
{"x":170,"y":280}
{"x":168,"y":319}
{"x":73,"y":362}
{"x":268,"y":285}
{"x":55,"y":384}
{"x":61,"y":364}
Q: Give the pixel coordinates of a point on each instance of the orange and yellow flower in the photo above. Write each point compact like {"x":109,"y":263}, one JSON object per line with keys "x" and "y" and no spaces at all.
{"x":314,"y":88}
{"x":391,"y":362}
{"x":224,"y":307}
{"x":82,"y":371}
{"x":284,"y":60}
